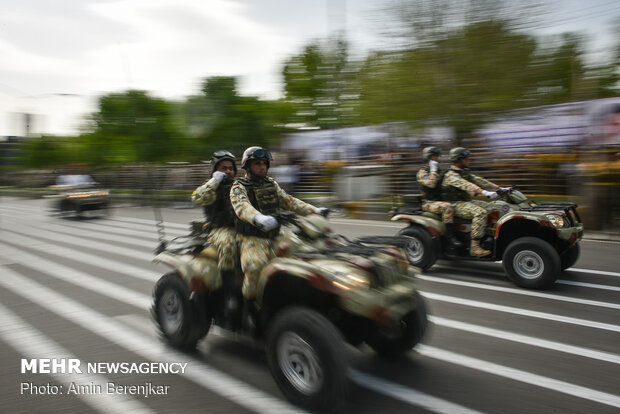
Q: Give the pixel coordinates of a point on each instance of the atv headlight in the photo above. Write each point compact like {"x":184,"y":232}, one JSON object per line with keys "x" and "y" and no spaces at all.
{"x":557,"y":221}
{"x":349,"y":281}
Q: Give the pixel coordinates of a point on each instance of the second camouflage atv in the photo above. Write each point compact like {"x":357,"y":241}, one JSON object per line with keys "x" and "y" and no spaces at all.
{"x":535,"y":241}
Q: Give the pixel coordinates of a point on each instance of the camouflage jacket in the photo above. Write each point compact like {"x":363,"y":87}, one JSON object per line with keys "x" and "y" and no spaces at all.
{"x":429,"y":183}
{"x":455,"y":185}
{"x":246,"y":211}
{"x":214,"y":197}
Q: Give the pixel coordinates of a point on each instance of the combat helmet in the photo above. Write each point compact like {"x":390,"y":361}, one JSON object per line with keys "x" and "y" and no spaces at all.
{"x":457,"y":153}
{"x":428,"y":151}
{"x":255,"y":153}
{"x":222,"y":155}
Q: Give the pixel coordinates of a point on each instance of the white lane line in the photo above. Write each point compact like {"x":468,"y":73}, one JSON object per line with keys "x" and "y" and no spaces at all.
{"x":143,"y":301}
{"x":219,"y":382}
{"x":151,"y":223}
{"x":81,"y":279}
{"x":408,"y":395}
{"x":379,"y":384}
{"x":521,"y":376}
{"x":521,"y":312}
{"x":588,"y":285}
{"x":525,"y":339}
{"x":83,"y":232}
{"x":89,"y":259}
{"x":31,"y":343}
{"x":81,"y":242}
{"x":595,"y":272}
{"x":519,"y":292}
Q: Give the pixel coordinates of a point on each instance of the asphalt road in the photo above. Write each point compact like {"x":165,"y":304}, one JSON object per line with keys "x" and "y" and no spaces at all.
{"x":80,"y":289}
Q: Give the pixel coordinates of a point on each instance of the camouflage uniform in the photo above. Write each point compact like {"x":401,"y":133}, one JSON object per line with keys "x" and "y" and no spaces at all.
{"x":250,"y":198}
{"x":459,"y":186}
{"x":430,"y":183}
{"x":215,"y":198}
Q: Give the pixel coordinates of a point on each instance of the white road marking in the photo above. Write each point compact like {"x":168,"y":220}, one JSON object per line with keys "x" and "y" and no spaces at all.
{"x":522,"y":312}
{"x":595,"y":272}
{"x":515,"y":291}
{"x":228,"y":387}
{"x":525,"y":339}
{"x":588,"y":285}
{"x":408,"y":395}
{"x":521,"y":376}
{"x":31,"y":343}
{"x":81,"y":279}
{"x":89,"y":259}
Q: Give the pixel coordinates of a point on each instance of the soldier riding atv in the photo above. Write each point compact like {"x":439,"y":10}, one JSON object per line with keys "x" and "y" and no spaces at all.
{"x":302,"y":292}
{"x":319,"y":291}
{"x":535,"y":241}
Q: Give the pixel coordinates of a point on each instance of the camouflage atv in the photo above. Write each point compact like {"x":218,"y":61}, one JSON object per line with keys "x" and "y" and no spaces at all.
{"x":535,"y":241}
{"x":320,"y":291}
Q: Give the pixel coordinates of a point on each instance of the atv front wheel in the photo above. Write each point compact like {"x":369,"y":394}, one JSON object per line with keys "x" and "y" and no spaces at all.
{"x":411,"y":330}
{"x":531,"y":263}
{"x":182,"y":322}
{"x":569,"y":257}
{"x":306,"y":357}
{"x":420,"y":248}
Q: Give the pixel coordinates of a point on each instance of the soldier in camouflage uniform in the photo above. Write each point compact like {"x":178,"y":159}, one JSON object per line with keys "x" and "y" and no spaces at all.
{"x":255,"y":198}
{"x":214,"y":196}
{"x":429,"y":178}
{"x":458,"y":186}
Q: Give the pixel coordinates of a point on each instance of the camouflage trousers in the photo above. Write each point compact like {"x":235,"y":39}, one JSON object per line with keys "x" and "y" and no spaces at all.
{"x":443,"y":208}
{"x":256,"y":252}
{"x":224,"y":239}
{"x":476,"y":214}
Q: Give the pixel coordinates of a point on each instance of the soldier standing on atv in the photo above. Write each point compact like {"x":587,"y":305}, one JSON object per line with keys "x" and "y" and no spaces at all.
{"x":429,"y":178}
{"x":214,"y":196}
{"x":458,"y":186}
{"x":255,"y":198}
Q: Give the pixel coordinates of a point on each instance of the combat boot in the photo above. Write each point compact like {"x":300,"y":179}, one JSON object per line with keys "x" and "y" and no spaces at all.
{"x":451,"y":238}
{"x":476,"y":250}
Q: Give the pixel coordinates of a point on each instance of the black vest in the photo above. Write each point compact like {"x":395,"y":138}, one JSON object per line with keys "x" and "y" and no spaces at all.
{"x":432,"y":194}
{"x":263,"y":196}
{"x":451,"y":193}
{"x":221,"y":213}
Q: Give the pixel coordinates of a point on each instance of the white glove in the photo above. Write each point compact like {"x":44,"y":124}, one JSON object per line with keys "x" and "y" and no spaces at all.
{"x":504,"y":188}
{"x":219,"y":176}
{"x":265,"y":223}
{"x":434,"y":165}
{"x":322,"y":211}
{"x":490,"y":194}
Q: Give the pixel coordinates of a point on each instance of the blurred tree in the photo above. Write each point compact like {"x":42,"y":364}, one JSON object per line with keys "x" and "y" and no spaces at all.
{"x":132,"y":126}
{"x":319,"y":83}
{"x":220,"y":118}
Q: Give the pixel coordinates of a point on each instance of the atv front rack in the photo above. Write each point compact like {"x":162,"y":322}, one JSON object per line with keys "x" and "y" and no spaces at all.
{"x":569,"y":208}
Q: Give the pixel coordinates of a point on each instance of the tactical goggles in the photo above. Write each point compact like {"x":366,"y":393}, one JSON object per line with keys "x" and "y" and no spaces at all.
{"x":223,"y":154}
{"x":261,"y":154}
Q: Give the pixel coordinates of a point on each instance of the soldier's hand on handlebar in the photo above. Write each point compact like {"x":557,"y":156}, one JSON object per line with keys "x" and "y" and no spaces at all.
{"x":504,"y":190}
{"x":323,"y":211}
{"x":265,"y":223}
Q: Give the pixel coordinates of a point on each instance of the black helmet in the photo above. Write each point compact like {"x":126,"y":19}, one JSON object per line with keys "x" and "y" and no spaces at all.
{"x":255,"y":153}
{"x":457,"y":153}
{"x":428,"y":151}
{"x":222,"y":155}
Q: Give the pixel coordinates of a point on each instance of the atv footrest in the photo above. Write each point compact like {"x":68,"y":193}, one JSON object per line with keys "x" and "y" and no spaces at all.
{"x":398,"y":241}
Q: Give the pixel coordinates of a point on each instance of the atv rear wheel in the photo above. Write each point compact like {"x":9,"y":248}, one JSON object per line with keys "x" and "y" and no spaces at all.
{"x":306,"y":357}
{"x":182,"y":322}
{"x":569,"y":257}
{"x":412,"y":328}
{"x":532,"y":263}
{"x":421,"y":250}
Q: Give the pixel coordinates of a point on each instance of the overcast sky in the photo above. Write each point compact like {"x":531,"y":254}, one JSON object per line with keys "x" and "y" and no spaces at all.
{"x":59,"y":56}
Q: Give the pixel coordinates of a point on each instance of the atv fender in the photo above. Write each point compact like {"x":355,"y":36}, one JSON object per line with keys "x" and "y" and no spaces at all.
{"x":435,"y":227}
{"x":199,"y":272}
